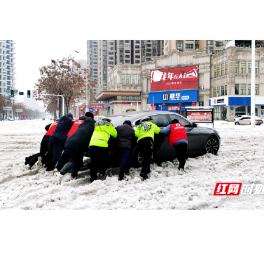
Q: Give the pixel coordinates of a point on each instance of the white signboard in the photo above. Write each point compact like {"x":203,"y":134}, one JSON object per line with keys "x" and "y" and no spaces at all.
{"x":149,"y":107}
{"x":19,"y":110}
{"x":35,"y":94}
{"x":7,"y":108}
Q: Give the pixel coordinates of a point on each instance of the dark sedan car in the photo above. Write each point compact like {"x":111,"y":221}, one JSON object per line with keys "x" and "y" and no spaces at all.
{"x":201,"y":140}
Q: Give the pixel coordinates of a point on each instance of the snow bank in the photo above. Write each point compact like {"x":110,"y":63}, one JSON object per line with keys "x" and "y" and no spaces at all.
{"x":240,"y":159}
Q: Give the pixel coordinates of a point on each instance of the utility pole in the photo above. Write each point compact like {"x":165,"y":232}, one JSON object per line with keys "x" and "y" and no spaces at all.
{"x":253,"y":96}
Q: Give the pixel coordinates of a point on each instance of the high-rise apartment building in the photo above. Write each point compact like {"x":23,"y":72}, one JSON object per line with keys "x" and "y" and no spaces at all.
{"x":205,"y":46}
{"x":7,"y":68}
{"x":102,"y":54}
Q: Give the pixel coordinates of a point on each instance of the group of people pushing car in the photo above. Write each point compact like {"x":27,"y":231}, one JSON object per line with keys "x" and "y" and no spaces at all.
{"x":63,"y":146}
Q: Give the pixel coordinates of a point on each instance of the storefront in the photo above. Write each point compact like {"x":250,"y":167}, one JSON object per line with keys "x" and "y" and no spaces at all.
{"x":227,"y":107}
{"x":175,"y":101}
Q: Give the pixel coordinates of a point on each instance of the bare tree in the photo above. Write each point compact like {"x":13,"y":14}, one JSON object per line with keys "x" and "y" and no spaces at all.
{"x":64,"y":77}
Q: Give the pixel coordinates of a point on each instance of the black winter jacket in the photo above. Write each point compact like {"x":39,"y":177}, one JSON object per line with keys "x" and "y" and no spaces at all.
{"x":76,"y":144}
{"x":62,"y":128}
{"x":125,"y":136}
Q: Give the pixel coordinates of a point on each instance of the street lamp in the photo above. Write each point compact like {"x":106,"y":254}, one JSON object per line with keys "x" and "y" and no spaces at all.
{"x":86,"y":100}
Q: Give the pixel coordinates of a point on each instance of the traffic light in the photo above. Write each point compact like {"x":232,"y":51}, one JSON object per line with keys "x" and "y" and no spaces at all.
{"x":28,"y":93}
{"x":12,"y":93}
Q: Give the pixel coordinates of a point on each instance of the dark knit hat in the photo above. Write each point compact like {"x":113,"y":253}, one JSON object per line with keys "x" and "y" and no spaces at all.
{"x":127,"y":122}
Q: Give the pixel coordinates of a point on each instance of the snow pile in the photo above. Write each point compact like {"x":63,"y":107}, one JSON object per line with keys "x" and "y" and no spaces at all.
{"x":240,"y":159}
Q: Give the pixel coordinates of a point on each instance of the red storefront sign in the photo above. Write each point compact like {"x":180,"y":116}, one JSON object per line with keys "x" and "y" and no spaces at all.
{"x":173,"y":107}
{"x":175,"y":79}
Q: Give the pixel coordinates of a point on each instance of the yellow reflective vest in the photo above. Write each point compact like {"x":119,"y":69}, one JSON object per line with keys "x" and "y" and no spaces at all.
{"x":141,"y":133}
{"x":101,"y":135}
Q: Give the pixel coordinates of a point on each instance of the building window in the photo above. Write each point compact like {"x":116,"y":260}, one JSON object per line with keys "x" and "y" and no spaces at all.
{"x":148,"y":54}
{"x":215,"y":75}
{"x":123,"y":79}
{"x":127,"y":56}
{"x":256,"y":89}
{"x":189,"y":46}
{"x":137,"y":51}
{"x":134,"y":78}
{"x":218,"y":44}
{"x":148,"y":45}
{"x":128,"y":97}
{"x":137,"y":56}
{"x":127,"y":51}
{"x":127,"y":41}
{"x":237,"y":66}
{"x":148,"y":50}
{"x":249,"y":67}
{"x":127,"y":61}
{"x":222,"y":90}
{"x":226,"y":68}
{"x":127,"y":46}
{"x":243,"y":66}
{"x":218,"y":91}
{"x":139,"y":78}
{"x":210,"y":43}
{"x":128,"y":78}
{"x":179,"y":45}
{"x":134,"y":98}
{"x":137,"y":61}
{"x":249,"y":89}
{"x":222,"y":69}
{"x":137,"y":46}
{"x":218,"y":70}
{"x":110,"y":58}
{"x":225,"y":89}
{"x":256,"y":67}
{"x":137,"y":41}
{"x":214,"y":92}
{"x":123,"y":98}
{"x":236,"y":88}
{"x":242,"y":89}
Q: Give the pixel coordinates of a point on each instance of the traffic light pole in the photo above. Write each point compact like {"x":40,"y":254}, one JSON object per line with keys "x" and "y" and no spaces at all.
{"x":62,"y":100}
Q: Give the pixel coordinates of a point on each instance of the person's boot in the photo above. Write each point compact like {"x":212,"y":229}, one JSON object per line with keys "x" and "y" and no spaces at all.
{"x":181,"y":171}
{"x":93,"y":179}
{"x":55,"y":171}
{"x":144,"y":176}
{"x":40,"y":162}
{"x":27,"y":167}
{"x":121,"y":177}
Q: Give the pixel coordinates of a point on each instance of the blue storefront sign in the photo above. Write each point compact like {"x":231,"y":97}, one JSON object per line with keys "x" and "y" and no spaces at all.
{"x":173,"y":97}
{"x":91,"y":110}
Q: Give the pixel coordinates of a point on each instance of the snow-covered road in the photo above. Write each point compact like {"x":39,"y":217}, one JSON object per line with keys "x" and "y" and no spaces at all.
{"x":240,"y":159}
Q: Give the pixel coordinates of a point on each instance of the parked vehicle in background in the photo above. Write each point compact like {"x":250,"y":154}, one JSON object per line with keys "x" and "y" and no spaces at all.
{"x":10,"y":119}
{"x":246,"y":120}
{"x":97,"y":118}
{"x":43,"y":118}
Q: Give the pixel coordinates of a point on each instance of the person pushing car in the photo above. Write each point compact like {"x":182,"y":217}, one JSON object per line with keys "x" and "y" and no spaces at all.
{"x":177,"y":139}
{"x":145,"y":134}
{"x":99,"y":146}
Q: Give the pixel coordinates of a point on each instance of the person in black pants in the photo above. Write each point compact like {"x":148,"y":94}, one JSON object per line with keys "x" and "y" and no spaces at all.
{"x":177,"y":139}
{"x":125,"y":140}
{"x":57,"y":140}
{"x":99,"y":157}
{"x":44,"y":148}
{"x":75,"y":147}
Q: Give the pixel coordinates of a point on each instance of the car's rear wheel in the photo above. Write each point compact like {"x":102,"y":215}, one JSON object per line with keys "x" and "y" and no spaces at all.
{"x":237,"y":123}
{"x":137,"y":158}
{"x":212,"y":145}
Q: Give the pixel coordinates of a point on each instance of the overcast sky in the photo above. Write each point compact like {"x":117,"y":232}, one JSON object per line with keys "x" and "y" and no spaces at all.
{"x":35,"y":53}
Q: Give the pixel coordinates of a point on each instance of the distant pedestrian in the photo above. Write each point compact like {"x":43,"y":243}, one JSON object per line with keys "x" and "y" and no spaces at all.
{"x":125,"y":140}
{"x":58,"y":138}
{"x":177,"y":139}
{"x":99,"y":147}
{"x":145,"y":134}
